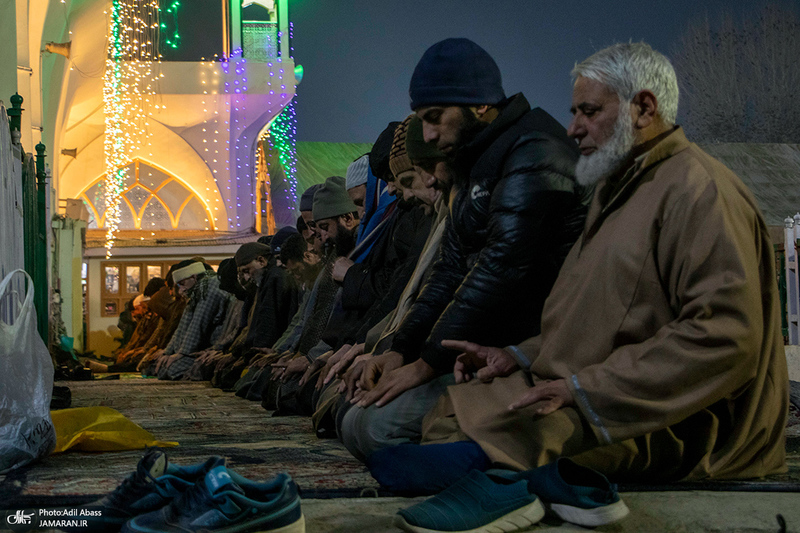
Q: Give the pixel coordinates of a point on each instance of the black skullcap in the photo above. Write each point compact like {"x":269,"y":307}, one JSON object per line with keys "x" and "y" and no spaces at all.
{"x":379,"y":156}
{"x":307,"y":200}
{"x":280,"y":238}
{"x":153,"y":286}
{"x":301,"y":225}
{"x":228,"y":275}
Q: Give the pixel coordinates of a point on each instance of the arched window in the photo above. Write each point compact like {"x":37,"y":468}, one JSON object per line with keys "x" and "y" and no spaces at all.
{"x":152,"y":199}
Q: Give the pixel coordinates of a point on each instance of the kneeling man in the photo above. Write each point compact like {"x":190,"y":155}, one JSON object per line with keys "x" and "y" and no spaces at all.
{"x":660,"y":355}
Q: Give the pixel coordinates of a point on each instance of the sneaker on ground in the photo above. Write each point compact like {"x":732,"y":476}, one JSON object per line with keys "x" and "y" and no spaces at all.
{"x":154,"y":484}
{"x":476,"y":503}
{"x":224,"y":501}
{"x":574,"y":493}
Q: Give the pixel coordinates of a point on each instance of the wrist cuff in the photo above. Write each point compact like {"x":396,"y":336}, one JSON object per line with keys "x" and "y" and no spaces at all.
{"x":522,"y":359}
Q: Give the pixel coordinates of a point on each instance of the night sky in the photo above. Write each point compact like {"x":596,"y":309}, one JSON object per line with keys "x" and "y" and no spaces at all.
{"x":358,"y":55}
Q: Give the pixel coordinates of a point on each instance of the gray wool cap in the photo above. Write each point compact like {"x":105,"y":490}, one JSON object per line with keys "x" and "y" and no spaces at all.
{"x":331,"y":200}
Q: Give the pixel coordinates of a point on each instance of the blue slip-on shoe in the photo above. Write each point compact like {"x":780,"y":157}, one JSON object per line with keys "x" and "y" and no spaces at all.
{"x":224,"y":501}
{"x":476,"y":503}
{"x":574,"y":493}
{"x":154,"y":484}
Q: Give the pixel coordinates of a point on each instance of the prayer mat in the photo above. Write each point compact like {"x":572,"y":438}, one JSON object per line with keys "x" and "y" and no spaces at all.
{"x":205,"y":421}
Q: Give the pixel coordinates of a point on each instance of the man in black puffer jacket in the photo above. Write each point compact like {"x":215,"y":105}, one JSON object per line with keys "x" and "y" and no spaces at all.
{"x":515,"y":213}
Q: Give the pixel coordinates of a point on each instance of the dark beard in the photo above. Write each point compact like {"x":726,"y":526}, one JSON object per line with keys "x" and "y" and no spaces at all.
{"x":341,"y":245}
{"x":345,"y":240}
{"x":470,"y":129}
{"x":406,"y":205}
{"x":460,"y":160}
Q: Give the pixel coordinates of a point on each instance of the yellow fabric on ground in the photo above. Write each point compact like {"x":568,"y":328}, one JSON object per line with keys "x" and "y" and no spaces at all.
{"x":100,"y":429}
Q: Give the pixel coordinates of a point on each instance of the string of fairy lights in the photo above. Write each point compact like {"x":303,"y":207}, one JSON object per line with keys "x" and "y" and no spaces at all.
{"x":282,"y":135}
{"x":127,"y":82}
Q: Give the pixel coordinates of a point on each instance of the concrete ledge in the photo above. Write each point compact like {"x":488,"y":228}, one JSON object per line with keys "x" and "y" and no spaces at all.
{"x":671,"y":512}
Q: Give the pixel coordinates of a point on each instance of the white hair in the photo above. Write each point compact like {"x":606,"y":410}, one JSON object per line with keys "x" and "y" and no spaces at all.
{"x":628,"y":68}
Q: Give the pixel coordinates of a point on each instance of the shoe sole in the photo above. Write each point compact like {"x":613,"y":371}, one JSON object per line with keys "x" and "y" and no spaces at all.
{"x":517,"y":520}
{"x":591,"y":517}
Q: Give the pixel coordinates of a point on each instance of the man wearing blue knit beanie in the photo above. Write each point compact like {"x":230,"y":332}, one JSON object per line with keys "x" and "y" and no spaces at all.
{"x":515,"y":213}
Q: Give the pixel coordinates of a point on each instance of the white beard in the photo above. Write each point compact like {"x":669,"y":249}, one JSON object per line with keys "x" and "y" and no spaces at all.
{"x":608,"y":158}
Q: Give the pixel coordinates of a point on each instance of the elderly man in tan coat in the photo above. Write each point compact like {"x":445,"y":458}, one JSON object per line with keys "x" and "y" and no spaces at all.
{"x":660,"y":356}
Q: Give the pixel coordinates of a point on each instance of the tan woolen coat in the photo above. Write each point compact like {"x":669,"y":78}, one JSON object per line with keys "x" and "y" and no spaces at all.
{"x":665,"y":318}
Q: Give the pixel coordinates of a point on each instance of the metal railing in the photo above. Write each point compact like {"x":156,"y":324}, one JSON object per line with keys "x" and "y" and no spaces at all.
{"x":789,"y":277}
{"x":23,"y":215}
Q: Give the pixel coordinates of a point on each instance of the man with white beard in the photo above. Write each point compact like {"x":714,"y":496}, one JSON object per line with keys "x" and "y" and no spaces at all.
{"x":660,"y":356}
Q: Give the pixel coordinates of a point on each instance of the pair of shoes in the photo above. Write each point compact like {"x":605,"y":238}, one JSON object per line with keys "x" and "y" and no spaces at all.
{"x":163,"y":497}
{"x":154,"y":484}
{"x":500,"y":500}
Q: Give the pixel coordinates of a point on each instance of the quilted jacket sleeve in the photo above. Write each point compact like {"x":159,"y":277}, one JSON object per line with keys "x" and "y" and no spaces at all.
{"x":530,"y":218}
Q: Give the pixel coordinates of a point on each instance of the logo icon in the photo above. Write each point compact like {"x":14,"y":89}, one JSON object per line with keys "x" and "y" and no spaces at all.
{"x":478,"y":192}
{"x":20,"y":518}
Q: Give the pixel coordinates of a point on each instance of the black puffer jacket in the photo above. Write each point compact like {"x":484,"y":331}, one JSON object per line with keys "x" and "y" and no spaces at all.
{"x":511,"y":224}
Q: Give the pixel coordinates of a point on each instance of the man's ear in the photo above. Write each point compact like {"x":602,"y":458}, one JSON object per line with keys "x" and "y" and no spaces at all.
{"x":645,"y":106}
{"x":485,"y":112}
{"x":349,"y":221}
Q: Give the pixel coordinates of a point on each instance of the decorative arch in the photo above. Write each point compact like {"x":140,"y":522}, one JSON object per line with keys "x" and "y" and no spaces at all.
{"x":153,"y":199}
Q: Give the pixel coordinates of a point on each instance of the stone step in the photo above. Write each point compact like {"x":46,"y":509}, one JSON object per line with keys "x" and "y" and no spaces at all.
{"x":651,"y":512}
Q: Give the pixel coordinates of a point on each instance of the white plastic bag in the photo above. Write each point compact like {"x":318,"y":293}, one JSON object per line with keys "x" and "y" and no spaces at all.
{"x":26,"y":383}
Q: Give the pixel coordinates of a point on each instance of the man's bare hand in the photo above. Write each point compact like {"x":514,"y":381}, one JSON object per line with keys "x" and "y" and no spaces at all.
{"x":349,"y":384}
{"x":553,"y":395}
{"x":330,"y":363}
{"x":393,"y":384}
{"x":344,"y":362}
{"x":377,"y":367}
{"x":482,"y":362}
{"x":298,"y":365}
{"x":340,"y":268}
{"x":313,"y":367}
{"x":279,"y":367}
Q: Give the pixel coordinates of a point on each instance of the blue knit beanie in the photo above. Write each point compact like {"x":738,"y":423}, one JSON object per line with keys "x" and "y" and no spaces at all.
{"x":277,"y":241}
{"x":455,"y":72}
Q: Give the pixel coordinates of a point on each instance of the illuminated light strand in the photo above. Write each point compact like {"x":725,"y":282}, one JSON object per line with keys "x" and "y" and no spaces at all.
{"x":282,"y":138}
{"x":173,"y":40}
{"x":127,"y":81}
